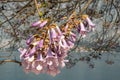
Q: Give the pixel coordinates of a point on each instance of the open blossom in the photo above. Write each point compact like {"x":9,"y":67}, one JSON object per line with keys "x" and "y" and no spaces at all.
{"x":23,"y":52}
{"x":63,"y":43}
{"x":90,"y":23}
{"x":82,"y":29}
{"x":47,"y":53}
{"x":38,"y":67}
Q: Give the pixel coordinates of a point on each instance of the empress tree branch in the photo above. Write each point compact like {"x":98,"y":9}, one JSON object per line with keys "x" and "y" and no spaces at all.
{"x":6,"y":1}
{"x":10,"y":60}
{"x":36,"y":5}
{"x":86,"y":6}
{"x":17,"y":13}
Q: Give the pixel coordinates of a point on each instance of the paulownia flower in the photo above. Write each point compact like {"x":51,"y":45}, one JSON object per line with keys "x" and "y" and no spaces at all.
{"x":63,"y":43}
{"x":48,"y":54}
{"x":90,"y":23}
{"x":23,"y":52}
{"x":36,"y":23}
{"x":39,"y":23}
{"x":43,"y":24}
{"x":82,"y":30}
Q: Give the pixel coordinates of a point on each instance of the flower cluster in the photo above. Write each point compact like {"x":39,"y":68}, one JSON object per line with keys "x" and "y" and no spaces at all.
{"x":46,"y":52}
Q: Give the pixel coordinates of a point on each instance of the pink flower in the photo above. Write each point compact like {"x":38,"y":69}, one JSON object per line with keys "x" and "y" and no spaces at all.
{"x":63,"y":43}
{"x":32,"y":51}
{"x":36,"y":23}
{"x":41,"y":43}
{"x":43,"y":24}
{"x":23,"y":52}
{"x":66,"y":27}
{"x":39,"y":23}
{"x":90,"y":23}
{"x":38,"y":67}
{"x":27,"y":66}
{"x":52,"y":63}
{"x":52,"y":70}
{"x":82,"y":29}
{"x":72,"y":37}
{"x":29,"y":40}
{"x":59,"y":31}
{"x":70,"y":43}
{"x":53,"y":33}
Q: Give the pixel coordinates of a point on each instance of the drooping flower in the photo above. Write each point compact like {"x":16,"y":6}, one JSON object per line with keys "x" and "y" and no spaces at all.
{"x":63,"y":43}
{"x":29,"y":40}
{"x":66,"y":27}
{"x":47,"y":53}
{"x":83,"y":31}
{"x":43,"y":24}
{"x":32,"y":51}
{"x":53,"y":33}
{"x":40,"y":23}
{"x":90,"y":23}
{"x":59,"y":31}
{"x":38,"y":67}
{"x":35,"y":24}
{"x":26,"y":66}
{"x":73,"y":37}
{"x":23,"y":52}
{"x":52,"y":63}
{"x":41,"y":43}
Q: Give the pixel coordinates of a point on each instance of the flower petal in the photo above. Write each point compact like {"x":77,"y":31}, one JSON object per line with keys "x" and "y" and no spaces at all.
{"x":41,"y":43}
{"x":36,"y":23}
{"x":43,"y":24}
{"x":22,"y":51}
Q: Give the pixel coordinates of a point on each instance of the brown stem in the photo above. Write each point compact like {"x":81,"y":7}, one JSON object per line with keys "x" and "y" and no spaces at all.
{"x":10,"y":60}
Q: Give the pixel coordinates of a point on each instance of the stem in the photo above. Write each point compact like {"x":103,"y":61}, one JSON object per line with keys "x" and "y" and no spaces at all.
{"x":10,"y":60}
{"x":86,"y":5}
{"x":37,"y":6}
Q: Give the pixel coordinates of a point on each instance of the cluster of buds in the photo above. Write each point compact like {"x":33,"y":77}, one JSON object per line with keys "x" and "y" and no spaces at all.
{"x":46,"y":52}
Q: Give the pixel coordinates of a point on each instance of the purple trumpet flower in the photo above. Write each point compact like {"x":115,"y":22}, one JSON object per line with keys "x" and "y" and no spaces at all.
{"x":73,"y":36}
{"x":50,"y":53}
{"x":70,"y":43}
{"x":59,"y":31}
{"x":39,"y":57}
{"x":27,"y":66}
{"x":53,"y":33}
{"x":32,"y":51}
{"x":30,"y":58}
{"x":39,"y":23}
{"x":23,"y":52}
{"x":36,"y":23}
{"x":61,"y":54}
{"x":41,"y":43}
{"x":38,"y":67}
{"x":66,"y":27}
{"x":82,"y":30}
{"x":53,"y":70}
{"x":43,"y":24}
{"x":90,"y":23}
{"x":52,"y":63}
{"x":29,"y":40}
{"x":62,"y":62}
{"x":63,"y":43}
{"x":50,"y":36}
